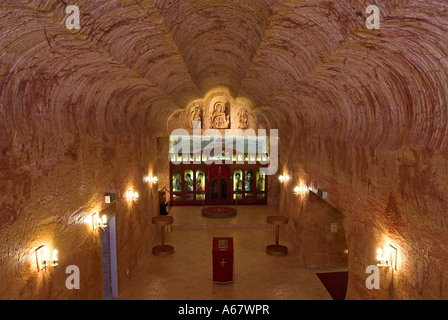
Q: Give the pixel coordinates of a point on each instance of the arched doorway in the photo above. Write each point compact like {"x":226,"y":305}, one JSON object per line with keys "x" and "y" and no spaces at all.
{"x":219,"y":182}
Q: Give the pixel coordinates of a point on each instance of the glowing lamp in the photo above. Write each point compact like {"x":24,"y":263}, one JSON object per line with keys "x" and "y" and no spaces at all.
{"x":54,"y":258}
{"x":379,"y":256}
{"x":131,"y":195}
{"x":98,"y":222}
{"x":151,"y":180}
{"x":283,"y":178}
{"x":42,"y":259}
{"x":300,"y":190}
{"x":387,"y":257}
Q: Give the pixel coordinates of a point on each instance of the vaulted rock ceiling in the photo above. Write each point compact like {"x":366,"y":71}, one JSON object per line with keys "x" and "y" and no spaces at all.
{"x":311,"y":65}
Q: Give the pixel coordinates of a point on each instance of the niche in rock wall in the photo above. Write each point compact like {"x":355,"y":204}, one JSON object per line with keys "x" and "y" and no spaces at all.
{"x":218,"y":109}
{"x":323,"y":242}
{"x":220,"y":113}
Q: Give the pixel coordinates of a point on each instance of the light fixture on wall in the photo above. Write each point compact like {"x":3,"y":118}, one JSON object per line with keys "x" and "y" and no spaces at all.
{"x":382,"y":261}
{"x":283,"y":178}
{"x":131,"y":195}
{"x":98,"y":222}
{"x":300,"y":189}
{"x":42,"y":259}
{"x":151,"y":179}
{"x":387,"y":257}
{"x":54,"y":259}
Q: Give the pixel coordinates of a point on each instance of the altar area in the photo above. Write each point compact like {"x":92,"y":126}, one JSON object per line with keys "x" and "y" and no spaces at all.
{"x":229,"y":178}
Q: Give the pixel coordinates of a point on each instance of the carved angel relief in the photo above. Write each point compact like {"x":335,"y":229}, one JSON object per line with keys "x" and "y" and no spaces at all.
{"x":220,"y":116}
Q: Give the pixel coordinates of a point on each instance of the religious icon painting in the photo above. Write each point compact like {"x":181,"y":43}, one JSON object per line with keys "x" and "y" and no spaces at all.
{"x":223,"y":244}
{"x":237,"y":180}
{"x":260,"y":181}
{"x":188,"y":182}
{"x":248,"y":183}
{"x":200,"y":181}
{"x":177,"y":181}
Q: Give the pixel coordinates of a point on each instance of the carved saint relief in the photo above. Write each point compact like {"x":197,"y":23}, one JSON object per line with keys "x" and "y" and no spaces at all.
{"x":243,"y":119}
{"x":220,"y":115}
{"x":196,"y":114}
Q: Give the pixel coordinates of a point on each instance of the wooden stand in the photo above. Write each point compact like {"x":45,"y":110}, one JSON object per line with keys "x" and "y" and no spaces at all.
{"x":163,"y":249}
{"x":276,"y":249}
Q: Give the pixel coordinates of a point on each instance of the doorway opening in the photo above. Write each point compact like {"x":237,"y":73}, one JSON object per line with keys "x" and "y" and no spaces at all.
{"x":109,"y":253}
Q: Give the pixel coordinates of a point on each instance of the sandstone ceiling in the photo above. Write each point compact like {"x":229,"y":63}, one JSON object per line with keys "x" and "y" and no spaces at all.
{"x":310,"y":65}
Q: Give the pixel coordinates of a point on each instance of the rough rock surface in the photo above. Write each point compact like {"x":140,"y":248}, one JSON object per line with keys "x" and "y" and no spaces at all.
{"x":362,"y":113}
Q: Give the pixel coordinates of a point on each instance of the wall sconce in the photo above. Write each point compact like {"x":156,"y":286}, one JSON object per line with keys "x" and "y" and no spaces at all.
{"x":387,"y":257}
{"x":151,"y":180}
{"x":97,"y":222}
{"x":283,"y":178}
{"x":300,"y":190}
{"x":131,"y":195}
{"x":42,"y":260}
{"x":54,"y":259}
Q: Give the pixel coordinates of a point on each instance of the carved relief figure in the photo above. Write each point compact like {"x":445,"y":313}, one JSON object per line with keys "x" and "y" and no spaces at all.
{"x":220,"y":119}
{"x":196,"y":114}
{"x":243,"y":119}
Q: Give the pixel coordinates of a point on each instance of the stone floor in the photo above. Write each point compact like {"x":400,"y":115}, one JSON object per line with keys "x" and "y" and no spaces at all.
{"x":187,"y":274}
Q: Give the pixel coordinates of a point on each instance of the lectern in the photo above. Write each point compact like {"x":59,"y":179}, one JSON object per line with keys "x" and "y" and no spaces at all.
{"x":223,"y":264}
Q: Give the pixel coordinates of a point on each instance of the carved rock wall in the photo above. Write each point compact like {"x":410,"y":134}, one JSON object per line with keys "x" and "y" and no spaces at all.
{"x":50,"y":186}
{"x":361,"y":112}
{"x":385,"y":196}
{"x":310,"y":227}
